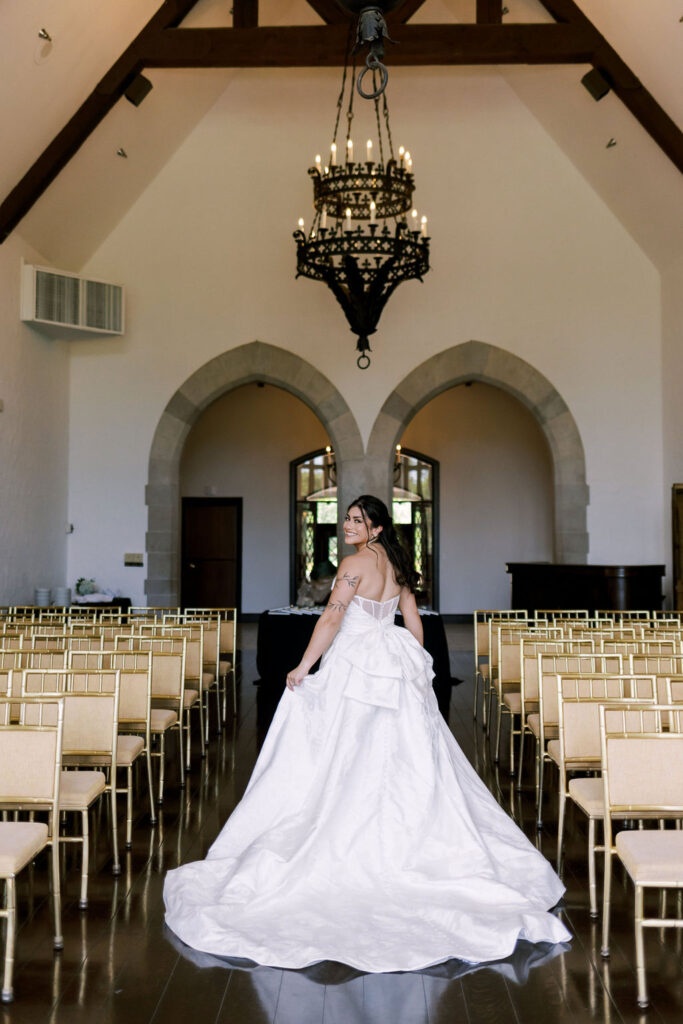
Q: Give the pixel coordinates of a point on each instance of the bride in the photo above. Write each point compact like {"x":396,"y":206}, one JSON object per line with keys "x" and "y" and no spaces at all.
{"x":364,"y":835}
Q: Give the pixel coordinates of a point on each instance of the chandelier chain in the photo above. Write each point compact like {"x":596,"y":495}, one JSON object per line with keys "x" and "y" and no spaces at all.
{"x":385,"y":111}
{"x":340,"y":100}
{"x":349,"y":112}
{"x":379,"y":126}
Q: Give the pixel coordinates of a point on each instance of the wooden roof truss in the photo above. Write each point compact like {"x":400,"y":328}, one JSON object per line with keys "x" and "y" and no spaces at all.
{"x":571,"y":39}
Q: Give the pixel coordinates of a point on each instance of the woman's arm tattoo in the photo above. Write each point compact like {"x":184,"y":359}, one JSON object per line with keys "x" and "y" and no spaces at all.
{"x":351,"y":581}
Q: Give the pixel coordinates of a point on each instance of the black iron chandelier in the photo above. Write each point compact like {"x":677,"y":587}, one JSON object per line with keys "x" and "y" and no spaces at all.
{"x":366,"y":236}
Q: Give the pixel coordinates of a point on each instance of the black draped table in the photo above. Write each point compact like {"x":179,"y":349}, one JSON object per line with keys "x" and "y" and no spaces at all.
{"x":283,"y":636}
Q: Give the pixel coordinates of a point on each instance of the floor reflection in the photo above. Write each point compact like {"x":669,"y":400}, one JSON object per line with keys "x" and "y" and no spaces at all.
{"x":353,"y":997}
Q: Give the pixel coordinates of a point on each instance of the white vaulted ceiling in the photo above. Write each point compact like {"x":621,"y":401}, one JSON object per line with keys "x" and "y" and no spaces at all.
{"x":45,"y":83}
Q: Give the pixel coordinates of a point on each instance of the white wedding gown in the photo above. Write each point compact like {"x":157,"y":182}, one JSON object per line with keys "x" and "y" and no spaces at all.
{"x":364,"y":835}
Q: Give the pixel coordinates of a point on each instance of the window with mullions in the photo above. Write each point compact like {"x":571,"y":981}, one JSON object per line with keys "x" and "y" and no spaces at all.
{"x":315,"y":516}
{"x":416,"y":485}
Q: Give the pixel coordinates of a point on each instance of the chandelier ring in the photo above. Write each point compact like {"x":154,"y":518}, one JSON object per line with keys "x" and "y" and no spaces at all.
{"x":363,"y":361}
{"x":373,"y":64}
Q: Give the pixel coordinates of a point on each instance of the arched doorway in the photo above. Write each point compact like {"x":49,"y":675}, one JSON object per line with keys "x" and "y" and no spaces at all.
{"x":234,"y":489}
{"x":495,"y":493}
{"x":477,"y":360}
{"x":255,"y":361}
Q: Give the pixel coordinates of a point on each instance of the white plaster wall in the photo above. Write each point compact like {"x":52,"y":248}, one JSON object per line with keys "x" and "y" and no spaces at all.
{"x":496,"y":491}
{"x":34,"y":389}
{"x":241,"y":447}
{"x":672,"y":399}
{"x":525,"y":257}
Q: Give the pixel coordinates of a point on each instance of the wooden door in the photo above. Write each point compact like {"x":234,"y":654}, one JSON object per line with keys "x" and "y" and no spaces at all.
{"x":211,"y":553}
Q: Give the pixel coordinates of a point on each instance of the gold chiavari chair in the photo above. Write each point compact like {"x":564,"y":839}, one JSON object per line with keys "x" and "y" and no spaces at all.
{"x":509,"y":674}
{"x":90,"y":743}
{"x":170,"y":708}
{"x":481,"y":660}
{"x":587,"y":793}
{"x":531,"y":647}
{"x":619,"y":614}
{"x":211,"y":678}
{"x":495,"y":622}
{"x":30,"y":779}
{"x":577,"y":748}
{"x":545,"y":724}
{"x":134,"y":668}
{"x":135,"y":724}
{"x":227,"y":650}
{"x":151,"y":614}
{"x":642,"y":773}
{"x":193,"y":693}
{"x":47,"y":641}
{"x":227,"y":661}
{"x":553,"y":614}
{"x":661,"y":666}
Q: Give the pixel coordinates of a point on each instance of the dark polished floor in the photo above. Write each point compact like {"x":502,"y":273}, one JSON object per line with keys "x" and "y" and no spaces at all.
{"x":120,"y":964}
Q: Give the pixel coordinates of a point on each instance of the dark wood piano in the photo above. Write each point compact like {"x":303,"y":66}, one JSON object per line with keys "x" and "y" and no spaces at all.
{"x":608,"y":587}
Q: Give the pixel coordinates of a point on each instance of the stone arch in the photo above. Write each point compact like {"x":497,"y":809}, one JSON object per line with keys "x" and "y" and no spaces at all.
{"x":242,"y":365}
{"x":476,"y":360}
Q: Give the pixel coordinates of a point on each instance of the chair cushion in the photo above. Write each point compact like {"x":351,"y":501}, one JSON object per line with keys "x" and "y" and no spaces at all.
{"x":208,"y":679}
{"x":128,"y":748}
{"x":652,"y":856}
{"x":587,"y":793}
{"x":20,"y":841}
{"x":483,"y":671}
{"x":514,"y":702}
{"x":190,"y":697}
{"x":77,"y":790}
{"x":162,"y":719}
{"x":225,"y":664}
{"x":534,"y":723}
{"x":554,"y":751}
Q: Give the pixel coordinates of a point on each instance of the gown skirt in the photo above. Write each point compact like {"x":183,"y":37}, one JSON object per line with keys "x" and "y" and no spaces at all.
{"x":364,"y":835}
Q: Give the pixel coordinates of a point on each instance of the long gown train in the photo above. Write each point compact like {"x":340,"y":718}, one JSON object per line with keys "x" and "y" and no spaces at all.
{"x":364,"y":835}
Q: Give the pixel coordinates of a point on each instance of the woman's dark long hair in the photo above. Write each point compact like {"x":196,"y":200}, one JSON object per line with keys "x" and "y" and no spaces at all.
{"x":376,"y":513}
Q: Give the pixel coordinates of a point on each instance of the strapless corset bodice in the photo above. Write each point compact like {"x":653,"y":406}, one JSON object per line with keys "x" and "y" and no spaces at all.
{"x":381,"y":611}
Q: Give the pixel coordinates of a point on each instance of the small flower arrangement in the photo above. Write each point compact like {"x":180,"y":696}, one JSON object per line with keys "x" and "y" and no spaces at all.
{"x":85,"y":586}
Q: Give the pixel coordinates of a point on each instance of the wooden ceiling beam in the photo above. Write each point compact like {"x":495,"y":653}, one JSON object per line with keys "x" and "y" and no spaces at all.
{"x":244,"y":13}
{"x":572,"y":39}
{"x":324,"y":46}
{"x":489,"y":12}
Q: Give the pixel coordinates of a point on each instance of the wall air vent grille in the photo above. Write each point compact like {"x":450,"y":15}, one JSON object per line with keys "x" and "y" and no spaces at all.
{"x":103,"y":306}
{"x":56,"y":299}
